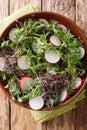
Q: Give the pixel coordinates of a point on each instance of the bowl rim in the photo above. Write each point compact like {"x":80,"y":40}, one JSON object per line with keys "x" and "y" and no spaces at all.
{"x":80,"y":33}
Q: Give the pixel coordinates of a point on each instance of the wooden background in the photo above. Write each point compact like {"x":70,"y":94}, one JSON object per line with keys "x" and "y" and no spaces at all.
{"x":13,"y":117}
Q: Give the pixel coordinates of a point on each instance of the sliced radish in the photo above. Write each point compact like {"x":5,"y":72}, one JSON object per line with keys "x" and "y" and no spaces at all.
{"x":43,"y":20}
{"x":64,"y":95}
{"x":26,"y":82}
{"x":23,"y":62}
{"x":55,"y":41}
{"x":62,"y":27}
{"x":2,"y":64}
{"x":52,"y":57}
{"x":12,"y":34}
{"x":82,"y":50}
{"x":36,"y":103}
{"x":78,"y":84}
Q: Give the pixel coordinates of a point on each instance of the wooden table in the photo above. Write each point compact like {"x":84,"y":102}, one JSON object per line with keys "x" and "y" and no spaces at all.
{"x":12,"y":116}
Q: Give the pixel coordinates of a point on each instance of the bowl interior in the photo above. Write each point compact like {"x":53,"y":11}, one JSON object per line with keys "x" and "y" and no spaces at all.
{"x":61,"y":19}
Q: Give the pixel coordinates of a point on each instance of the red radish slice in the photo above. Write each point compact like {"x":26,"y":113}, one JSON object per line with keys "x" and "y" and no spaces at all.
{"x":43,"y":20}
{"x":55,"y":41}
{"x":52,"y":57}
{"x":36,"y":103}
{"x":23,"y":62}
{"x":26,"y":82}
{"x":62,"y":27}
{"x":82,"y":50}
{"x":78,"y":84}
{"x":12,"y":34}
{"x":63,"y":96}
{"x":2,"y":64}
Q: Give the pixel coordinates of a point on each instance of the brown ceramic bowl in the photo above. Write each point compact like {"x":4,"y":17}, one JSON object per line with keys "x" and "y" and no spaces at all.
{"x":69,"y":24}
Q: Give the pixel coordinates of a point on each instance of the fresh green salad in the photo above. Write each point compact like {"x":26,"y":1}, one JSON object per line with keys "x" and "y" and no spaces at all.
{"x":41,"y":63}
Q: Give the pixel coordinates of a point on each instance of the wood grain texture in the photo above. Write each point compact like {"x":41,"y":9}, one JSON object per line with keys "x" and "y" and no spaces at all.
{"x":63,"y":122}
{"x":14,"y":6}
{"x":81,"y":115}
{"x":36,"y":3}
{"x":65,"y":7}
{"x":68,"y":120}
{"x":81,"y":21}
{"x":4,"y":8}
{"x":55,"y":124}
{"x":81,"y":14}
{"x":20,"y":118}
{"x":4,"y":102}
{"x":4,"y":112}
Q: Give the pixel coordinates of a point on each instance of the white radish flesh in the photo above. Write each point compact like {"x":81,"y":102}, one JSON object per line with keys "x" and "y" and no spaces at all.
{"x":26,"y":83}
{"x":23,"y":62}
{"x":12,"y":34}
{"x":43,"y":20}
{"x":36,"y":103}
{"x":2,"y":64}
{"x":55,"y":41}
{"x":82,"y":52}
{"x":52,"y":57}
{"x":62,"y":27}
{"x":63,"y":96}
{"x":78,"y":84}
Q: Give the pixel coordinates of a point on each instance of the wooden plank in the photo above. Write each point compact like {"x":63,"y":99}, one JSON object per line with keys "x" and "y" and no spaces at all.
{"x":14,"y":6}
{"x":4,"y":102}
{"x":68,"y":120}
{"x":67,"y":8}
{"x":54,"y":124}
{"x":21,"y":118}
{"x":81,"y":115}
{"x":81,"y":15}
{"x":63,"y":122}
{"x":81,"y":20}
{"x":4,"y":4}
{"x":36,"y":3}
{"x":4,"y":112}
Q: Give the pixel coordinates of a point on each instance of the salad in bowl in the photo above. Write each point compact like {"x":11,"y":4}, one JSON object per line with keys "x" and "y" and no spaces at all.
{"x":42,"y":60}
